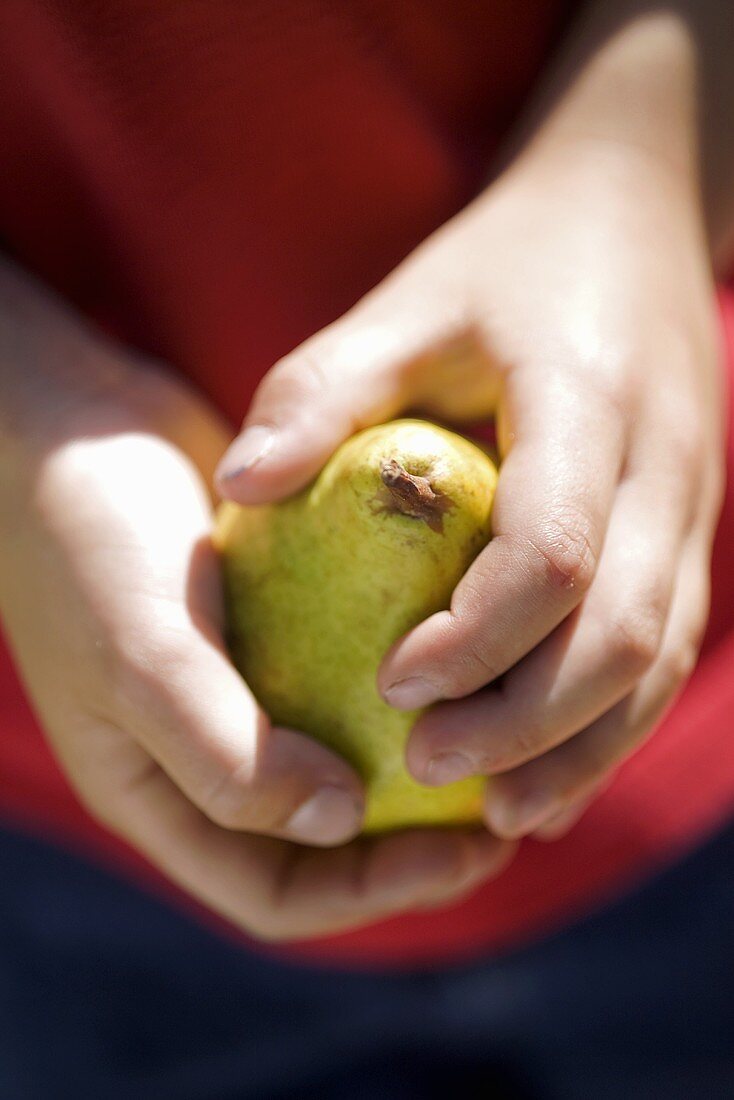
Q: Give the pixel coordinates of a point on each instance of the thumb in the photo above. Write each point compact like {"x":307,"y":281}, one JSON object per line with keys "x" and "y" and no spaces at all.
{"x":349,"y":376}
{"x":185,"y":703}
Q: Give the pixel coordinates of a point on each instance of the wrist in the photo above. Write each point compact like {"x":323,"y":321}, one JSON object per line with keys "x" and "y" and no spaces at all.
{"x":624,"y":91}
{"x":50,"y":361}
{"x":61,"y":379}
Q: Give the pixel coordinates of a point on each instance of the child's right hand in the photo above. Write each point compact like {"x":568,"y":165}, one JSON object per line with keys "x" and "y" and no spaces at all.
{"x":110,"y":596}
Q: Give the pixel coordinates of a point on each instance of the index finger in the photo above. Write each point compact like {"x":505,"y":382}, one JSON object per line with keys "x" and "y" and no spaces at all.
{"x":550,"y":515}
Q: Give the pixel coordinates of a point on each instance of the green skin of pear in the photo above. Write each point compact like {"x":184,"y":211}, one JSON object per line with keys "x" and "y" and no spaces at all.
{"x":319,"y":586}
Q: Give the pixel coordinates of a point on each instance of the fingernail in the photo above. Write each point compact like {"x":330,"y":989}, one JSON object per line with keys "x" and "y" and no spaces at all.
{"x":448,"y":767}
{"x":411,"y":694}
{"x":327,"y":817}
{"x":512,"y":817}
{"x":245,"y":452}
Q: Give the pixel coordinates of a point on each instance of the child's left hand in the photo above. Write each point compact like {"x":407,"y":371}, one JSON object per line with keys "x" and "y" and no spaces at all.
{"x":573,"y":301}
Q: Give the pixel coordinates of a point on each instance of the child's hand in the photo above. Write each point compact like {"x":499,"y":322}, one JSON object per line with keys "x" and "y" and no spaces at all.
{"x":573,"y":300}
{"x":110,"y":596}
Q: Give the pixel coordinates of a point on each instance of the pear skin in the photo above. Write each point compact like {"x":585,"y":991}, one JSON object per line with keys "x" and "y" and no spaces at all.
{"x":319,"y":586}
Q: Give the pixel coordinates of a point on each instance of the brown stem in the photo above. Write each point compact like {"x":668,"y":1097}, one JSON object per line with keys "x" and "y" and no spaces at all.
{"x":413,"y":495}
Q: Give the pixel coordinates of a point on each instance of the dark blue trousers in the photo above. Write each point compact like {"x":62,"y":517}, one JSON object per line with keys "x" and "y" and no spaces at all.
{"x":107,"y":994}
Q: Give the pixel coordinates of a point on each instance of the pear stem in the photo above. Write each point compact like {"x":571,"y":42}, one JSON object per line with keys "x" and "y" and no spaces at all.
{"x":413,"y":495}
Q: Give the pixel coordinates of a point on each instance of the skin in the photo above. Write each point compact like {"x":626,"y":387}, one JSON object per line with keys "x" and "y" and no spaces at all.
{"x":573,"y":299}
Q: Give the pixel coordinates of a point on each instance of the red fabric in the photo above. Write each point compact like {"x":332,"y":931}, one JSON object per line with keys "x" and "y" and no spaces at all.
{"x":215,"y":181}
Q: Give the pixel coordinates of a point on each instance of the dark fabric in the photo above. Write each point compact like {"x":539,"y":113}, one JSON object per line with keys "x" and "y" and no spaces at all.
{"x":107,"y":993}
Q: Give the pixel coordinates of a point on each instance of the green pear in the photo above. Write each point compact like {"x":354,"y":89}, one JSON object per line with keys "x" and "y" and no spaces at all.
{"x":319,"y":586}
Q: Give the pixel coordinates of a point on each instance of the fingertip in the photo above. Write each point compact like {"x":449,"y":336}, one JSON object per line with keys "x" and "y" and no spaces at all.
{"x":436,"y":767}
{"x":329,"y":817}
{"x":264,"y":465}
{"x":399,"y":685}
{"x":298,"y":753}
{"x":249,"y":449}
{"x":513,"y":815}
{"x":272,"y":467}
{"x":296,"y":789}
{"x":388,"y":672}
{"x":416,"y":670}
{"x":556,"y":829}
{"x":415,"y":756}
{"x":411,"y":693}
{"x":434,"y":752}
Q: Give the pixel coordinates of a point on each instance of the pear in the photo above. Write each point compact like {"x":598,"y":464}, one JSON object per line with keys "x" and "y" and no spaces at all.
{"x":319,"y":586}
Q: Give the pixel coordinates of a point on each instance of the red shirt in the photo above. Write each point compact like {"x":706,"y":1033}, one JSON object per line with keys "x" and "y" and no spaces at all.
{"x":216,"y":181}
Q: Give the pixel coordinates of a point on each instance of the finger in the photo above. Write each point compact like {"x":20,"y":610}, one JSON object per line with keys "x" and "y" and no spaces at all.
{"x":411,"y":870}
{"x":275,"y":890}
{"x":399,"y":347}
{"x":555,"y":828}
{"x":550,"y":515}
{"x":192,"y":711}
{"x":347,"y":377}
{"x":559,"y":826}
{"x":522,"y":800}
{"x":590,"y":662}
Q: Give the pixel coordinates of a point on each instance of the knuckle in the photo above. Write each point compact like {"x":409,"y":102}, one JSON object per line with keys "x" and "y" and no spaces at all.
{"x":465,"y":672}
{"x":689,"y":442}
{"x":476,"y":663}
{"x":301,"y":373}
{"x":226,"y":802}
{"x":615,"y":387}
{"x":528,"y":742}
{"x":469,"y":642}
{"x":141,"y":669}
{"x":568,"y":552}
{"x":685,"y":660}
{"x":635,"y":638}
{"x":680,"y":662}
{"x":717,"y":485}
